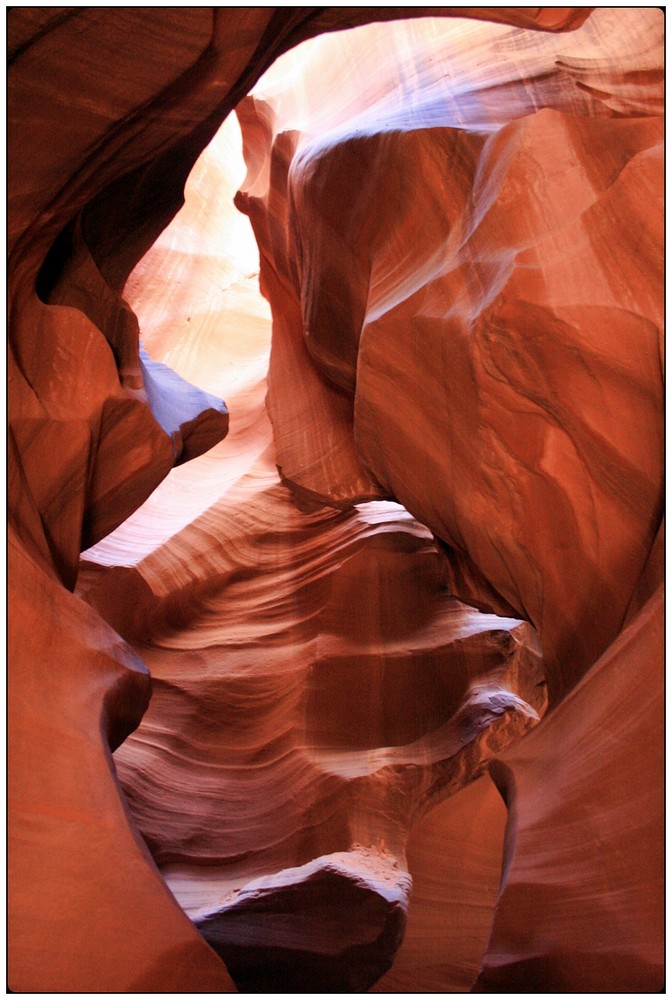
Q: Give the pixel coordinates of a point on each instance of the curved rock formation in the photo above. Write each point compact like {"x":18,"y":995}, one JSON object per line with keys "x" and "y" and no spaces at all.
{"x":85,"y":904}
{"x":503,"y":308}
{"x":315,"y":691}
{"x":531,"y":344}
{"x":460,"y":230}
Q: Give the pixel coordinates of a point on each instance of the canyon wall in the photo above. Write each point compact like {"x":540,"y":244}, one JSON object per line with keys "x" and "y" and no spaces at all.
{"x":401,"y":624}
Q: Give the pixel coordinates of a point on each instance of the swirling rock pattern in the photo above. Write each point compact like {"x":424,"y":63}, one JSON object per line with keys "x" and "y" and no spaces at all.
{"x":462,"y":250}
{"x":315,"y":692}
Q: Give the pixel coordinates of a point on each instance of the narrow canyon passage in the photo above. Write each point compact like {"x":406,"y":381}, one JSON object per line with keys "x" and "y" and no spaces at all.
{"x":315,"y":690}
{"x":354,"y":470}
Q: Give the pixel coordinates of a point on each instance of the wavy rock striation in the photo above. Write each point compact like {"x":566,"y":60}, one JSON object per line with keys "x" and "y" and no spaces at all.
{"x":315,"y":692}
{"x":459,"y":220}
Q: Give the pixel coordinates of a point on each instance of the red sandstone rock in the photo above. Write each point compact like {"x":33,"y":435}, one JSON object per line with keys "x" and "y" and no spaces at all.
{"x":582,"y":905}
{"x":334,"y":924}
{"x":86,"y":905}
{"x":343,"y":710}
{"x":455,"y":859}
{"x":500,"y":375}
{"x":502,"y":307}
{"x":314,"y":690}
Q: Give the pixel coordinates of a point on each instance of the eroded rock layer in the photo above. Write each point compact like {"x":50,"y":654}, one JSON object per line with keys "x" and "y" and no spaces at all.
{"x":315,"y":691}
{"x":460,"y":231}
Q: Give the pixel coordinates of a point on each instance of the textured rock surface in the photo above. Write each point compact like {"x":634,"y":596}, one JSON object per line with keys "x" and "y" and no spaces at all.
{"x":485,"y":282}
{"x":315,"y":692}
{"x":333,"y":924}
{"x":77,"y":870}
{"x":462,"y":247}
{"x":515,"y":275}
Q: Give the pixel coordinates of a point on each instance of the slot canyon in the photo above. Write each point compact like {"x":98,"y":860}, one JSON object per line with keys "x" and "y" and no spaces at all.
{"x":335,"y":499}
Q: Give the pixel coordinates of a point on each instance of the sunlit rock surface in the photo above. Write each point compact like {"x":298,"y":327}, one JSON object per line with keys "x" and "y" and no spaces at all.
{"x":456,"y":244}
{"x":460,"y":229}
